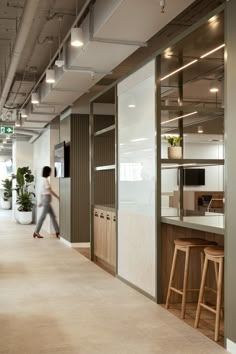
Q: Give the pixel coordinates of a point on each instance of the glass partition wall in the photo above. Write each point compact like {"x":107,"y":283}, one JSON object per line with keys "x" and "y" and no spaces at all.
{"x":137,"y":179}
{"x":192,"y":100}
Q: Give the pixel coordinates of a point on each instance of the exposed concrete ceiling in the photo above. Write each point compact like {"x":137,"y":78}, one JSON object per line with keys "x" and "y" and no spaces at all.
{"x":71,"y":85}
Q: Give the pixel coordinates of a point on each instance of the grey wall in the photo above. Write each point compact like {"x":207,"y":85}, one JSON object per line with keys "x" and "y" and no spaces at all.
{"x":230,"y":174}
{"x":74,"y":191}
{"x":65,"y":187}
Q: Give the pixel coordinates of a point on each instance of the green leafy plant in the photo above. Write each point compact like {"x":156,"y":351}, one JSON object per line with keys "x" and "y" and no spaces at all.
{"x":24,"y":179}
{"x":25,"y":201}
{"x":7,"y":185}
{"x":173,"y":140}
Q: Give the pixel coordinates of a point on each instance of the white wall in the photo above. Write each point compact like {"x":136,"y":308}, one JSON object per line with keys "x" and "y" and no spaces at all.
{"x":22,"y":156}
{"x":43,"y":151}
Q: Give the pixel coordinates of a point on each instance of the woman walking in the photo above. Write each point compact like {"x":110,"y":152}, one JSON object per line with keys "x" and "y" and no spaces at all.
{"x":46,"y":197}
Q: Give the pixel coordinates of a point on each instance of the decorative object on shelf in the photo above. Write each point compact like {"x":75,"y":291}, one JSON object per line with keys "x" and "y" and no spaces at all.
{"x":7,"y":193}
{"x":24,"y":179}
{"x":174,"y":150}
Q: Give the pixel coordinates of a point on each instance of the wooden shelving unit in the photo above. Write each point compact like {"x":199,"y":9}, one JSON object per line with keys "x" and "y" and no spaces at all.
{"x":103,"y":177}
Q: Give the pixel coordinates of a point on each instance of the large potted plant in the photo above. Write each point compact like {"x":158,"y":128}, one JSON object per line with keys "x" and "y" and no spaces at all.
{"x":24,"y":180}
{"x":174,"y":150}
{"x":7,"y":193}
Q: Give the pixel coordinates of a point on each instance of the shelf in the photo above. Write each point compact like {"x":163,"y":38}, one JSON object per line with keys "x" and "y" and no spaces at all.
{"x":105,"y":168}
{"x":175,"y":163}
{"x":105,"y":130}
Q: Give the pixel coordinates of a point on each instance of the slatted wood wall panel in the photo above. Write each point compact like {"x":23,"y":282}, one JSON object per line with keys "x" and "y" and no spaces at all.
{"x":103,"y":121}
{"x":104,"y":188}
{"x":79,"y":168}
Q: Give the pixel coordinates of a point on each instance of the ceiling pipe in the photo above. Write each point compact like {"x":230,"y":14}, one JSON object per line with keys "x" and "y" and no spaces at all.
{"x":78,"y":18}
{"x":21,"y":38}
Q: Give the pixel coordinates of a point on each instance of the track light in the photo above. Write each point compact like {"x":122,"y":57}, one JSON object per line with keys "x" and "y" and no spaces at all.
{"x":24,"y":113}
{"x":77,"y":37}
{"x":50,"y":76}
{"x":35,"y":98}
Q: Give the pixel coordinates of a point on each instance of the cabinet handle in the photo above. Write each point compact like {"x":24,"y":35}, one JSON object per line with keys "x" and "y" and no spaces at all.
{"x":95,"y":214}
{"x":114,"y":218}
{"x":108,"y":217}
{"x":101,"y":216}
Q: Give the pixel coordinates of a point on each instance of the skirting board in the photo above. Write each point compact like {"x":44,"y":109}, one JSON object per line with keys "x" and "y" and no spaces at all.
{"x":230,"y":346}
{"x":75,"y":244}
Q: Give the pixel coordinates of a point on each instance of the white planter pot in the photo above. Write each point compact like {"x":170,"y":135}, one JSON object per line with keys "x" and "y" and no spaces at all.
{"x":5,"y":204}
{"x":174,"y":152}
{"x":25,"y":217}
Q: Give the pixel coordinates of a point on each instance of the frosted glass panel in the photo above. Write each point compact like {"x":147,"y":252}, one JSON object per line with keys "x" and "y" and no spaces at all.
{"x":136,"y":184}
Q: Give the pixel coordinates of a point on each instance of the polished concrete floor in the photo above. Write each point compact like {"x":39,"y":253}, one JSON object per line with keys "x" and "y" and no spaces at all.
{"x":54,"y":300}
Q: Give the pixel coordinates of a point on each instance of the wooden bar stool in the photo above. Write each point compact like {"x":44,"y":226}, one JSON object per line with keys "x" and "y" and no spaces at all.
{"x":216,"y":255}
{"x":185,"y":245}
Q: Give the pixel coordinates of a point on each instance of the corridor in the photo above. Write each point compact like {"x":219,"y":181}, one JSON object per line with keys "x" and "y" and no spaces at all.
{"x":54,"y":300}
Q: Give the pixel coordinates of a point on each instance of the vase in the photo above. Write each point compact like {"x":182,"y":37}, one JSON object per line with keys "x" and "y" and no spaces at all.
{"x":25,"y":217}
{"x":175,"y":152}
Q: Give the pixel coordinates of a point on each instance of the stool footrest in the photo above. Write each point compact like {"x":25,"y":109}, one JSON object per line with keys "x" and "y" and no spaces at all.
{"x":208,"y":307}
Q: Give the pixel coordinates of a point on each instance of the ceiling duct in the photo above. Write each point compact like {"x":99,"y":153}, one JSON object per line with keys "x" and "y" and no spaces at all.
{"x":21,"y":38}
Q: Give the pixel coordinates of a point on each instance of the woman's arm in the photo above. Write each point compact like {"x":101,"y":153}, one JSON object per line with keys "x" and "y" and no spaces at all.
{"x":53,"y":193}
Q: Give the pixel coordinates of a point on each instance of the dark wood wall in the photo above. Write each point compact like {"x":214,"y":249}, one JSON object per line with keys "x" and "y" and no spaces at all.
{"x":74,"y":191}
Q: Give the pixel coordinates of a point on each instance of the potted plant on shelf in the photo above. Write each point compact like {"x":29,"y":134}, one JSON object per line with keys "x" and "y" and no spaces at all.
{"x":7,"y":193}
{"x":24,"y":180}
{"x":174,"y":150}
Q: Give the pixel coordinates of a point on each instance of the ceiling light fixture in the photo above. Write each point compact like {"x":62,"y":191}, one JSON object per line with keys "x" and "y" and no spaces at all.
{"x":212,"y":51}
{"x":182,"y":68}
{"x":50,"y":73}
{"x":50,"y":76}
{"x":173,"y":119}
{"x":213,"y":18}
{"x":77,"y":36}
{"x":24,"y":113}
{"x":35,"y":98}
{"x":200,"y":129}
{"x":17,"y":123}
{"x":214,"y":86}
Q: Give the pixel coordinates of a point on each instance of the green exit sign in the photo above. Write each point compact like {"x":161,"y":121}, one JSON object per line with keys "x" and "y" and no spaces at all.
{"x":6,"y":130}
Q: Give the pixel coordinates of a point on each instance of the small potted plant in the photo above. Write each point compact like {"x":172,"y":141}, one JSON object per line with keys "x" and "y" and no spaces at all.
{"x":24,"y":180}
{"x":7,"y":193}
{"x":174,"y":150}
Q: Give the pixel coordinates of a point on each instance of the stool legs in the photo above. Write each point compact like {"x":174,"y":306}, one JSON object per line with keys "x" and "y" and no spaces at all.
{"x":172,"y":273}
{"x":219,"y":284}
{"x":185,"y":282}
{"x":218,"y":300}
{"x":201,"y":293}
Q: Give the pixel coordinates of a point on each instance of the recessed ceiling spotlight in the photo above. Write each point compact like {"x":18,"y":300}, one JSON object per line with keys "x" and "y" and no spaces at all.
{"x":213,"y":18}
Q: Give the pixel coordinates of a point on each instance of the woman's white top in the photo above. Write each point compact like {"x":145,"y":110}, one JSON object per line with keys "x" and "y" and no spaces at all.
{"x":45,"y":187}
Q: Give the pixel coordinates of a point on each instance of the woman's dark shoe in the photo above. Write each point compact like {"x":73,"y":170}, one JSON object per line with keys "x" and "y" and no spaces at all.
{"x":35,"y":234}
{"x":58,"y":234}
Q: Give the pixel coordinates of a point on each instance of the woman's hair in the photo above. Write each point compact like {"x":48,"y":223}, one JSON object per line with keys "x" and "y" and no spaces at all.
{"x":46,"y":171}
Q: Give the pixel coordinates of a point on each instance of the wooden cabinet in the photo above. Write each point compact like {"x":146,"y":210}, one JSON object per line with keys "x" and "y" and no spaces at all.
{"x":105,"y":236}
